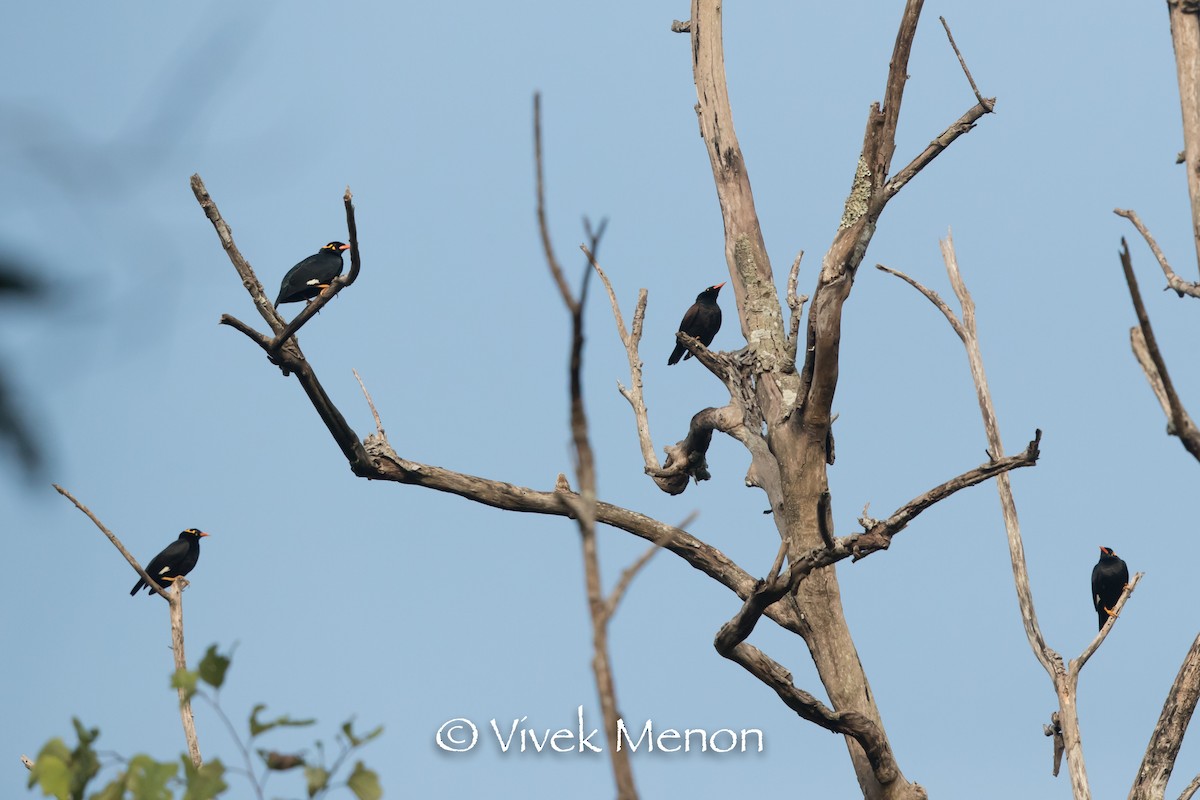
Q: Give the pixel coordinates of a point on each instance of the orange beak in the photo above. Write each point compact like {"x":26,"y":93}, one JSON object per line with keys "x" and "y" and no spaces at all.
{"x":202,"y":533}
{"x":344,"y":247}
{"x":719,"y":285}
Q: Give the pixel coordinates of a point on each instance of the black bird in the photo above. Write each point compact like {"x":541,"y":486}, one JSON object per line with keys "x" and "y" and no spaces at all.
{"x":175,"y":561}
{"x":701,"y":321}
{"x":306,"y":280}
{"x":1109,"y":577}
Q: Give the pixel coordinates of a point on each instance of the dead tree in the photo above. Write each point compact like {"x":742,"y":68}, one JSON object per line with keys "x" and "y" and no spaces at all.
{"x":781,"y":391}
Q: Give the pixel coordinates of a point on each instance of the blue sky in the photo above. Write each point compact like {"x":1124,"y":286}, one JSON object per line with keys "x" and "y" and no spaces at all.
{"x":408,"y":608}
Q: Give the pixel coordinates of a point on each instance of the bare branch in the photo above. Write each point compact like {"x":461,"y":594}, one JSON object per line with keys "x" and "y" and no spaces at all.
{"x":1076,"y":664}
{"x":288,"y":357}
{"x":631,"y":340}
{"x":1190,"y":791}
{"x":1137,"y":343}
{"x":1163,"y":748}
{"x":112,"y":537}
{"x":849,"y":723}
{"x":932,"y":297}
{"x":1065,"y":682}
{"x":543,"y":227}
{"x":371,"y":403}
{"x":265,"y":307}
{"x":262,"y":341}
{"x":796,"y":305}
{"x":627,"y":576}
{"x":993,"y":469}
{"x":630,"y":572}
{"x":964,"y":124}
{"x":687,"y":457}
{"x":185,"y":703}
{"x":1175,"y":282}
{"x":962,"y":61}
{"x":175,"y":601}
{"x":1185,"y":36}
{"x":1179,"y":422}
{"x":717,"y":363}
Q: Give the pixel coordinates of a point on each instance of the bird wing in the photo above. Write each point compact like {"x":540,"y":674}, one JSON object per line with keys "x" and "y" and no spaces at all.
{"x":690,"y":317}
{"x":166,"y":560}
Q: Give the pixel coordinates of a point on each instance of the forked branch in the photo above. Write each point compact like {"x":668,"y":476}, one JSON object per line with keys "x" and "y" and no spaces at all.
{"x":175,"y":601}
{"x":1066,"y":732}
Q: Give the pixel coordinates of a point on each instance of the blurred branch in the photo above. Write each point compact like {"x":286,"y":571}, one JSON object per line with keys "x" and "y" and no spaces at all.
{"x":583,"y":505}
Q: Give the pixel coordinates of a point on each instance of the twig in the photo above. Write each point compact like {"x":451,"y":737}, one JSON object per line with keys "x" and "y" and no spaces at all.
{"x":962,"y":125}
{"x":630,"y":572}
{"x":796,"y":305}
{"x":370,"y":402}
{"x":25,"y":760}
{"x":1175,"y":282}
{"x":264,"y":305}
{"x":627,"y":575}
{"x":112,"y":537}
{"x":988,"y":104}
{"x":258,"y":789}
{"x":932,"y":297}
{"x":631,"y":340}
{"x":543,"y":227}
{"x":1077,"y":663}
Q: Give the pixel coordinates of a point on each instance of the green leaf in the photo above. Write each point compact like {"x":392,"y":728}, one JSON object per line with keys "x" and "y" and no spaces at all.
{"x":364,"y":783}
{"x":206,"y":782}
{"x":50,"y":771}
{"x":63,"y":773}
{"x":84,"y":763}
{"x":86,"y":735}
{"x":257,"y":726}
{"x":114,"y":791}
{"x":148,"y":779}
{"x":185,"y":679}
{"x":316,"y":778}
{"x":213,"y":667}
{"x":355,"y":741}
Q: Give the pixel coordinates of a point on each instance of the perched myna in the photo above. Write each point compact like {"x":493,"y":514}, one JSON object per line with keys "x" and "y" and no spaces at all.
{"x":701,"y":321}
{"x":175,"y":561}
{"x":306,"y":280}
{"x":1109,"y":577}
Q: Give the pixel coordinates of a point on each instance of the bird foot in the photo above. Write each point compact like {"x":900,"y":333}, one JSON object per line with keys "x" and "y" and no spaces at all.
{"x":1111,"y":613}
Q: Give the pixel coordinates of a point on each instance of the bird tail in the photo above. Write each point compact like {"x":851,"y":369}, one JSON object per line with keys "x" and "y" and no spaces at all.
{"x":679,"y":350}
{"x":137,"y":587}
